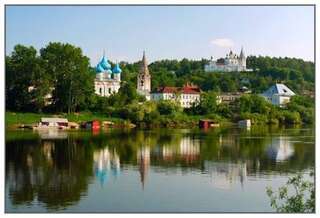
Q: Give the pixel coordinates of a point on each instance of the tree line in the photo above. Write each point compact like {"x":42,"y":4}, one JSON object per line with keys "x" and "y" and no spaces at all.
{"x":63,"y":71}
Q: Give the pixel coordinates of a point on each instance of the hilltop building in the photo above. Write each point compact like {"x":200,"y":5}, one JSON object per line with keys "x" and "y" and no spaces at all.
{"x":144,"y":79}
{"x":278,"y":94}
{"x":186,"y":95}
{"x":107,"y":80}
{"x":232,"y":62}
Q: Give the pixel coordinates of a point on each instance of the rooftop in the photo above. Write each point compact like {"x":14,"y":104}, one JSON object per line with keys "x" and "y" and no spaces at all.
{"x":186,"y":89}
{"x":279,"y":89}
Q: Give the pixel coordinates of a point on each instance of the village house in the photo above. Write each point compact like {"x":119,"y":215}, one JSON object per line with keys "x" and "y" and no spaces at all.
{"x":278,"y":94}
{"x":186,"y":95}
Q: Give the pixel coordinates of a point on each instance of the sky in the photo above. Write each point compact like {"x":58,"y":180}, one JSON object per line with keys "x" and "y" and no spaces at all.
{"x":165,"y":32}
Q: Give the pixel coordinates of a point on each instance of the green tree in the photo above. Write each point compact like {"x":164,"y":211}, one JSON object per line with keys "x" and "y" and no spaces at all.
{"x":26,"y":82}
{"x":253,"y":104}
{"x":73,"y":82}
{"x":167,"y":107}
{"x":207,"y":104}
{"x":127,"y":94}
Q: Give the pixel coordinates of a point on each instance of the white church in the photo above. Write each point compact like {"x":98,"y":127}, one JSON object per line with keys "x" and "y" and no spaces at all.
{"x":232,"y":62}
{"x":107,"y":79}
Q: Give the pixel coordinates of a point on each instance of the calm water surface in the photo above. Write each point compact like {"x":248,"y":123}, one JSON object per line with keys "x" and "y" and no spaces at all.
{"x":163,"y":170}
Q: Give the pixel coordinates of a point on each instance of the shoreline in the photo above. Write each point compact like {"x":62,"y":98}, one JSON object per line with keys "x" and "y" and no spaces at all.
{"x":16,"y":121}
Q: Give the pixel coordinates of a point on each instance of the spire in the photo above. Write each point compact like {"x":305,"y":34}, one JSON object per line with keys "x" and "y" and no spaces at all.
{"x":242,"y":53}
{"x":144,"y":60}
{"x":144,"y":66}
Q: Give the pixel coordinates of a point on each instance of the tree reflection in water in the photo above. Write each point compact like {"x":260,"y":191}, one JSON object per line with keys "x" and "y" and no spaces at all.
{"x":56,"y":171}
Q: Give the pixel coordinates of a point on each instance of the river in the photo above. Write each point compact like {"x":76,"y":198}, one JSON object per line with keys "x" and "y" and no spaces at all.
{"x":160,"y":170}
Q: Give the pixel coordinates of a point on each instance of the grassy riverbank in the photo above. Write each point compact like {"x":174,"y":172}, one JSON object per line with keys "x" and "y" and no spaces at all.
{"x":14,"y":119}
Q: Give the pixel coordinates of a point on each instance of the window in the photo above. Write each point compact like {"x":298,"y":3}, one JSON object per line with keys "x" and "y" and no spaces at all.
{"x":109,"y":90}
{"x":100,"y":90}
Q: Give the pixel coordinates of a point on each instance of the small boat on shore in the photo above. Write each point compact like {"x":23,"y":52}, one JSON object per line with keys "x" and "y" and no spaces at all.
{"x":206,"y":123}
{"x":52,"y":123}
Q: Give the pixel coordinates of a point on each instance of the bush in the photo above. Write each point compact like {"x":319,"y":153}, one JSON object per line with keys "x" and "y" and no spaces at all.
{"x":255,"y":118}
{"x":253,"y":104}
{"x":166,"y":107}
{"x":301,"y":201}
{"x":291,"y":117}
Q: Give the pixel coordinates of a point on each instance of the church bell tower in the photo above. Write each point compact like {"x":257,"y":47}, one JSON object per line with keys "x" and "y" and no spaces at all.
{"x":144,"y":78}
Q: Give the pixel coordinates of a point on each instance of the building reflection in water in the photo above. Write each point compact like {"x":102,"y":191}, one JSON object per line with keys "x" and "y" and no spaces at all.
{"x":187,"y":150}
{"x":280,"y":149}
{"x":143,"y":161}
{"x":48,"y":149}
{"x":52,"y":134}
{"x":106,"y":163}
{"x":225,"y":174}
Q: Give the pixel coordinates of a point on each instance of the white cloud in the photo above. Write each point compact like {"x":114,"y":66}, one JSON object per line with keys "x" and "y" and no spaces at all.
{"x":223,"y":42}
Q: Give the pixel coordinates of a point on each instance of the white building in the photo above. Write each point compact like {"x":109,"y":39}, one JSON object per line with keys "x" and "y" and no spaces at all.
{"x":232,"y":62}
{"x":186,"y":96}
{"x":278,"y":94}
{"x":107,"y":80}
{"x":144,"y":79}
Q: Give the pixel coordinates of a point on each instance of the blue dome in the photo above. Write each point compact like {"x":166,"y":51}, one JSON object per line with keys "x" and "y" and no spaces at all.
{"x":99,"y":69}
{"x":117,"y":69}
{"x":105,"y":64}
{"x":109,"y":71}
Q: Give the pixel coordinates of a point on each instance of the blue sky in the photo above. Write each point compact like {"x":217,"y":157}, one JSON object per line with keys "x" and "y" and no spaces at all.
{"x":165,"y":32}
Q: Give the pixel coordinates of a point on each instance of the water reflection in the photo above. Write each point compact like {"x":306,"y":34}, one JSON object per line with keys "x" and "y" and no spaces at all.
{"x":185,"y":148}
{"x":225,"y":174}
{"x":105,"y":164}
{"x":51,"y":133}
{"x":45,"y":171}
{"x":280,"y":149}
{"x":55,"y":172}
{"x":143,"y":161}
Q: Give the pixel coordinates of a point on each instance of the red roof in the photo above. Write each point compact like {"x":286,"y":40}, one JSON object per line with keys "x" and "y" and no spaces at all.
{"x":186,"y":89}
{"x":167,"y":89}
{"x":190,"y":90}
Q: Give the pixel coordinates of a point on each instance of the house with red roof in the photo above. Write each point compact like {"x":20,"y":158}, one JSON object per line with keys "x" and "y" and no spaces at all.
{"x":186,"y":95}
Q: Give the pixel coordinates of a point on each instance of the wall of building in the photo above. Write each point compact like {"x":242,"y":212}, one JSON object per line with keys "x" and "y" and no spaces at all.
{"x":185,"y":100}
{"x":106,"y":88}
